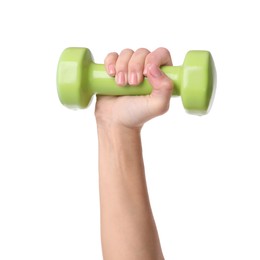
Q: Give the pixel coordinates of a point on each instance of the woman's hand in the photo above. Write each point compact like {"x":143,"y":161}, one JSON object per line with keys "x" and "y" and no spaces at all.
{"x":130,"y":67}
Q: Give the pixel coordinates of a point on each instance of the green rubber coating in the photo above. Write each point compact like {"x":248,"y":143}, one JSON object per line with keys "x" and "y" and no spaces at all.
{"x":79,"y":78}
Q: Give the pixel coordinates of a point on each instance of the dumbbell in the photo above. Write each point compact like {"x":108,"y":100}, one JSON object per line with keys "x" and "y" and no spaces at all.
{"x":79,"y":78}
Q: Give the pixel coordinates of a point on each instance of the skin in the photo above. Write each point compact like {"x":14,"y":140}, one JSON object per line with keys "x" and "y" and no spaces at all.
{"x":128,"y":229}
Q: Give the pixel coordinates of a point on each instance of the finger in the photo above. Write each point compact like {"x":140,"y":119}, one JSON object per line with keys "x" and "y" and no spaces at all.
{"x":136,"y":66}
{"x":162,"y":89}
{"x":159,"y":57}
{"x":110,"y":63}
{"x":122,"y":66}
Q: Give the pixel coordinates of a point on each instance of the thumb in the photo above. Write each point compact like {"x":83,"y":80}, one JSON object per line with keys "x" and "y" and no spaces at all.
{"x":162,"y":89}
{"x":162,"y":85}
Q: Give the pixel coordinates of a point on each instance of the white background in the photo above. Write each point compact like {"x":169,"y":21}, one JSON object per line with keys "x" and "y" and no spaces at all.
{"x":202,"y":172}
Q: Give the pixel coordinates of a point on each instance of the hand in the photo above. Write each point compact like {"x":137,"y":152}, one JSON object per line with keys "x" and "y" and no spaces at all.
{"x":130,"y":68}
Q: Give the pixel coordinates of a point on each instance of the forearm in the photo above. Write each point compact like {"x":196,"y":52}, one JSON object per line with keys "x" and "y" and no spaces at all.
{"x":128,"y":230}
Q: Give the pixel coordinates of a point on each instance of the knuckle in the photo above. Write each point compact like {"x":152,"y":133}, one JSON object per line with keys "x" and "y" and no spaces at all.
{"x":124,"y":59}
{"x":126,"y":51}
{"x":142,"y":51}
{"x":164,"y":51}
{"x":112,"y":56}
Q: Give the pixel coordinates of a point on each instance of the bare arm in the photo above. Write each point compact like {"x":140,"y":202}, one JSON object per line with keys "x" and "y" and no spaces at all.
{"x":128,"y":229}
{"x":127,"y":225}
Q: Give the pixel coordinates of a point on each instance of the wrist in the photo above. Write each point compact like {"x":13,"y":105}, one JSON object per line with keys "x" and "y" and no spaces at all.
{"x":114,"y":127}
{"x":118,"y":144}
{"x":112,"y":130}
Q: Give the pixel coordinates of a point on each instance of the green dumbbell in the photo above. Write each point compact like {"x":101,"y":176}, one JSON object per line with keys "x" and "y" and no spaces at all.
{"x":79,"y":78}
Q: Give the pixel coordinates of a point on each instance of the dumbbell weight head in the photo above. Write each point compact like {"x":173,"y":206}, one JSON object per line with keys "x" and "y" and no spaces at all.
{"x":198,"y":82}
{"x":78,"y":78}
{"x":72,"y":76}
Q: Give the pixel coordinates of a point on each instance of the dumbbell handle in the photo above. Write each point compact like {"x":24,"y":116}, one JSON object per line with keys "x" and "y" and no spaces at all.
{"x":99,"y":82}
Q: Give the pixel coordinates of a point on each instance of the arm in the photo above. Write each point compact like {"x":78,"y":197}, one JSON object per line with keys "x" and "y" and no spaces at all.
{"x":128,"y":229}
{"x":127,"y":225}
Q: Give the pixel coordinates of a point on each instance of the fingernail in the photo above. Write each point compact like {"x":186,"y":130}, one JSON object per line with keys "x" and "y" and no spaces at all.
{"x":121,"y":79}
{"x":111,"y":70}
{"x":132,"y":78}
{"x":155,"y":71}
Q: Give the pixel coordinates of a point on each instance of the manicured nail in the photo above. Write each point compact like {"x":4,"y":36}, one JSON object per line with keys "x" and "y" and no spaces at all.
{"x":132,"y":78}
{"x":121,"y":79}
{"x":155,"y":71}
